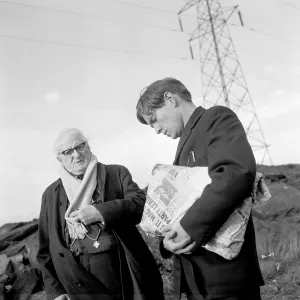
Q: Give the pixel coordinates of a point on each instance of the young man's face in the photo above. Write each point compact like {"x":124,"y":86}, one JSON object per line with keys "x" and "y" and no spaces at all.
{"x":166,"y":120}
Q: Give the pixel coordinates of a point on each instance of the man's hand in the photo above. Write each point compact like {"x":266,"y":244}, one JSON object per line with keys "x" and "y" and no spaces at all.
{"x":62,"y":297}
{"x":87,"y":214}
{"x":181,"y":234}
{"x":177,"y":239}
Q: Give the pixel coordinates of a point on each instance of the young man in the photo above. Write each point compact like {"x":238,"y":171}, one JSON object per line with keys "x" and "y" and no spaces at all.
{"x":89,"y":246}
{"x":214,"y":138}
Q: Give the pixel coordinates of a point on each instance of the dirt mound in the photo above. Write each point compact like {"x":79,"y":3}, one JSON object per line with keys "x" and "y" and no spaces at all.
{"x":277,"y":225}
{"x":291,"y":173}
{"x":284,"y":204}
{"x":19,"y":274}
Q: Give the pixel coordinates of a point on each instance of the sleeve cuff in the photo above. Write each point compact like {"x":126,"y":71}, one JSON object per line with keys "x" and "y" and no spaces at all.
{"x":101,"y":222}
{"x":163,"y":251}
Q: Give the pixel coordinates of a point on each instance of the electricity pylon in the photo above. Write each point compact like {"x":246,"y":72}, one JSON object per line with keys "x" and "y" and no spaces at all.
{"x":223,"y":81}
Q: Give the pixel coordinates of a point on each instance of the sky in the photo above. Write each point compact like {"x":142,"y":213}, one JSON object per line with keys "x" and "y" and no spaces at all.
{"x":83,"y":64}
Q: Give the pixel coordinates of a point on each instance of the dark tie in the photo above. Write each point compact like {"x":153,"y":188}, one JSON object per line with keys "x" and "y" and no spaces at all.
{"x":80,"y":177}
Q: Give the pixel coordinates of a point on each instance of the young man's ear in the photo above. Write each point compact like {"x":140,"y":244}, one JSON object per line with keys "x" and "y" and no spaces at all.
{"x":58,"y":158}
{"x":170,"y":97}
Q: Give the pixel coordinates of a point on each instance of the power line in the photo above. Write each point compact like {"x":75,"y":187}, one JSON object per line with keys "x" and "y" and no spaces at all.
{"x":268,"y":34}
{"x":122,"y":51}
{"x":291,"y":4}
{"x":91,"y":47}
{"x":281,"y":58}
{"x":278,"y":81}
{"x":152,"y":8}
{"x":266,"y":23}
{"x":104,"y":48}
{"x":137,"y":23}
{"x":127,"y":22}
{"x":87,"y":15}
{"x":144,"y":7}
{"x":275,"y":37}
{"x":189,"y":15}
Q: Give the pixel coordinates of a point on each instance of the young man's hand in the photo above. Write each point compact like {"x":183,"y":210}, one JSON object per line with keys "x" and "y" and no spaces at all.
{"x":177,"y":240}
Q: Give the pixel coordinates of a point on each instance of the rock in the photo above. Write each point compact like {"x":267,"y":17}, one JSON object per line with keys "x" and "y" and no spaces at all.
{"x":17,"y":259}
{"x":4,"y":245}
{"x":23,"y":285}
{"x":275,"y":177}
{"x":32,"y":245}
{"x":268,"y":268}
{"x":7,"y":287}
{"x":15,"y":249}
{"x":18,"y":263}
{"x":20,"y":233}
{"x":6,"y":269}
{"x":18,"y":255}
{"x":9,"y":227}
{"x":39,"y":296}
{"x":284,"y":204}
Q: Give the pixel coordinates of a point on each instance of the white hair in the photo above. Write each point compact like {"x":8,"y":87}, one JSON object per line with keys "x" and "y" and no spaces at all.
{"x":64,"y":132}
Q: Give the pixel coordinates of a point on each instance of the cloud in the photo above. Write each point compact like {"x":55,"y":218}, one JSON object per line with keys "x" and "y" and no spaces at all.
{"x":295,"y":70}
{"x":139,"y":149}
{"x":28,"y":163}
{"x":269,"y":69}
{"x":285,"y":146}
{"x":276,"y":93}
{"x":279,"y":103}
{"x":52,"y":97}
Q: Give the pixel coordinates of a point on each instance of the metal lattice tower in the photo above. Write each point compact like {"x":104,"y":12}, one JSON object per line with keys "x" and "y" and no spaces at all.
{"x":223,"y":81}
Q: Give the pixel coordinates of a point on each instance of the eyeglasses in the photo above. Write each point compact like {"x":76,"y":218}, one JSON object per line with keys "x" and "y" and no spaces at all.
{"x":79,"y":148}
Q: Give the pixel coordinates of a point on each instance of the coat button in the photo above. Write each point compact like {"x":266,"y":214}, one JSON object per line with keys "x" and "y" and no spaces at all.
{"x":78,"y":283}
{"x":61,"y":254}
{"x":57,"y":226}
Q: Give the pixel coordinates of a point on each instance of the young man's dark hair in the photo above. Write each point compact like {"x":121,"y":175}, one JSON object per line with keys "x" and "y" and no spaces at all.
{"x":152,"y":97}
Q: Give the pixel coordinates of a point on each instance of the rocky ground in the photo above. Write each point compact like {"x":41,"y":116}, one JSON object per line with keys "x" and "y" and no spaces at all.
{"x":20,"y":277}
{"x":277,"y":225}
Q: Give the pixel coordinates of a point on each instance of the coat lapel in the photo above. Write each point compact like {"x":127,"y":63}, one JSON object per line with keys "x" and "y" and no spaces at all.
{"x":101,"y":177}
{"x":188,"y":130}
{"x":61,"y":205}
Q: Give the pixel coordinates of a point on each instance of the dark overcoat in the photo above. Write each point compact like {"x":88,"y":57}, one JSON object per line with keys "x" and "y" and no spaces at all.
{"x":215,"y":138}
{"x":122,"y":209}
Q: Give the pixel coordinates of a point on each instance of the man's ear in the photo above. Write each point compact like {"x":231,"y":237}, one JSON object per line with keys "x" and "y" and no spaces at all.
{"x":58,"y":158}
{"x":168,"y":96}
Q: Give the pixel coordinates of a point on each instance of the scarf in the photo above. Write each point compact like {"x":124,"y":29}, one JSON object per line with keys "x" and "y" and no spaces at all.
{"x":79,"y":193}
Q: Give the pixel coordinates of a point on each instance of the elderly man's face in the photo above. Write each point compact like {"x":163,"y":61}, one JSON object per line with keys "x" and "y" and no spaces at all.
{"x":74,"y":153}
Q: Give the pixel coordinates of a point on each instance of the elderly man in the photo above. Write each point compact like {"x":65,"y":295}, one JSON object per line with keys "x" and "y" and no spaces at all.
{"x":212,"y":138}
{"x":89,"y":246}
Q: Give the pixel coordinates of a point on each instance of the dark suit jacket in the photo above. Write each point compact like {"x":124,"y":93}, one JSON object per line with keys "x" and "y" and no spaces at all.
{"x":218,"y":140}
{"x":122,"y":210}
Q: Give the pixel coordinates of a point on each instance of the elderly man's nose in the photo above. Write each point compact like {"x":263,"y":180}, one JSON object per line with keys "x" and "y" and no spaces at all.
{"x":75,"y":153}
